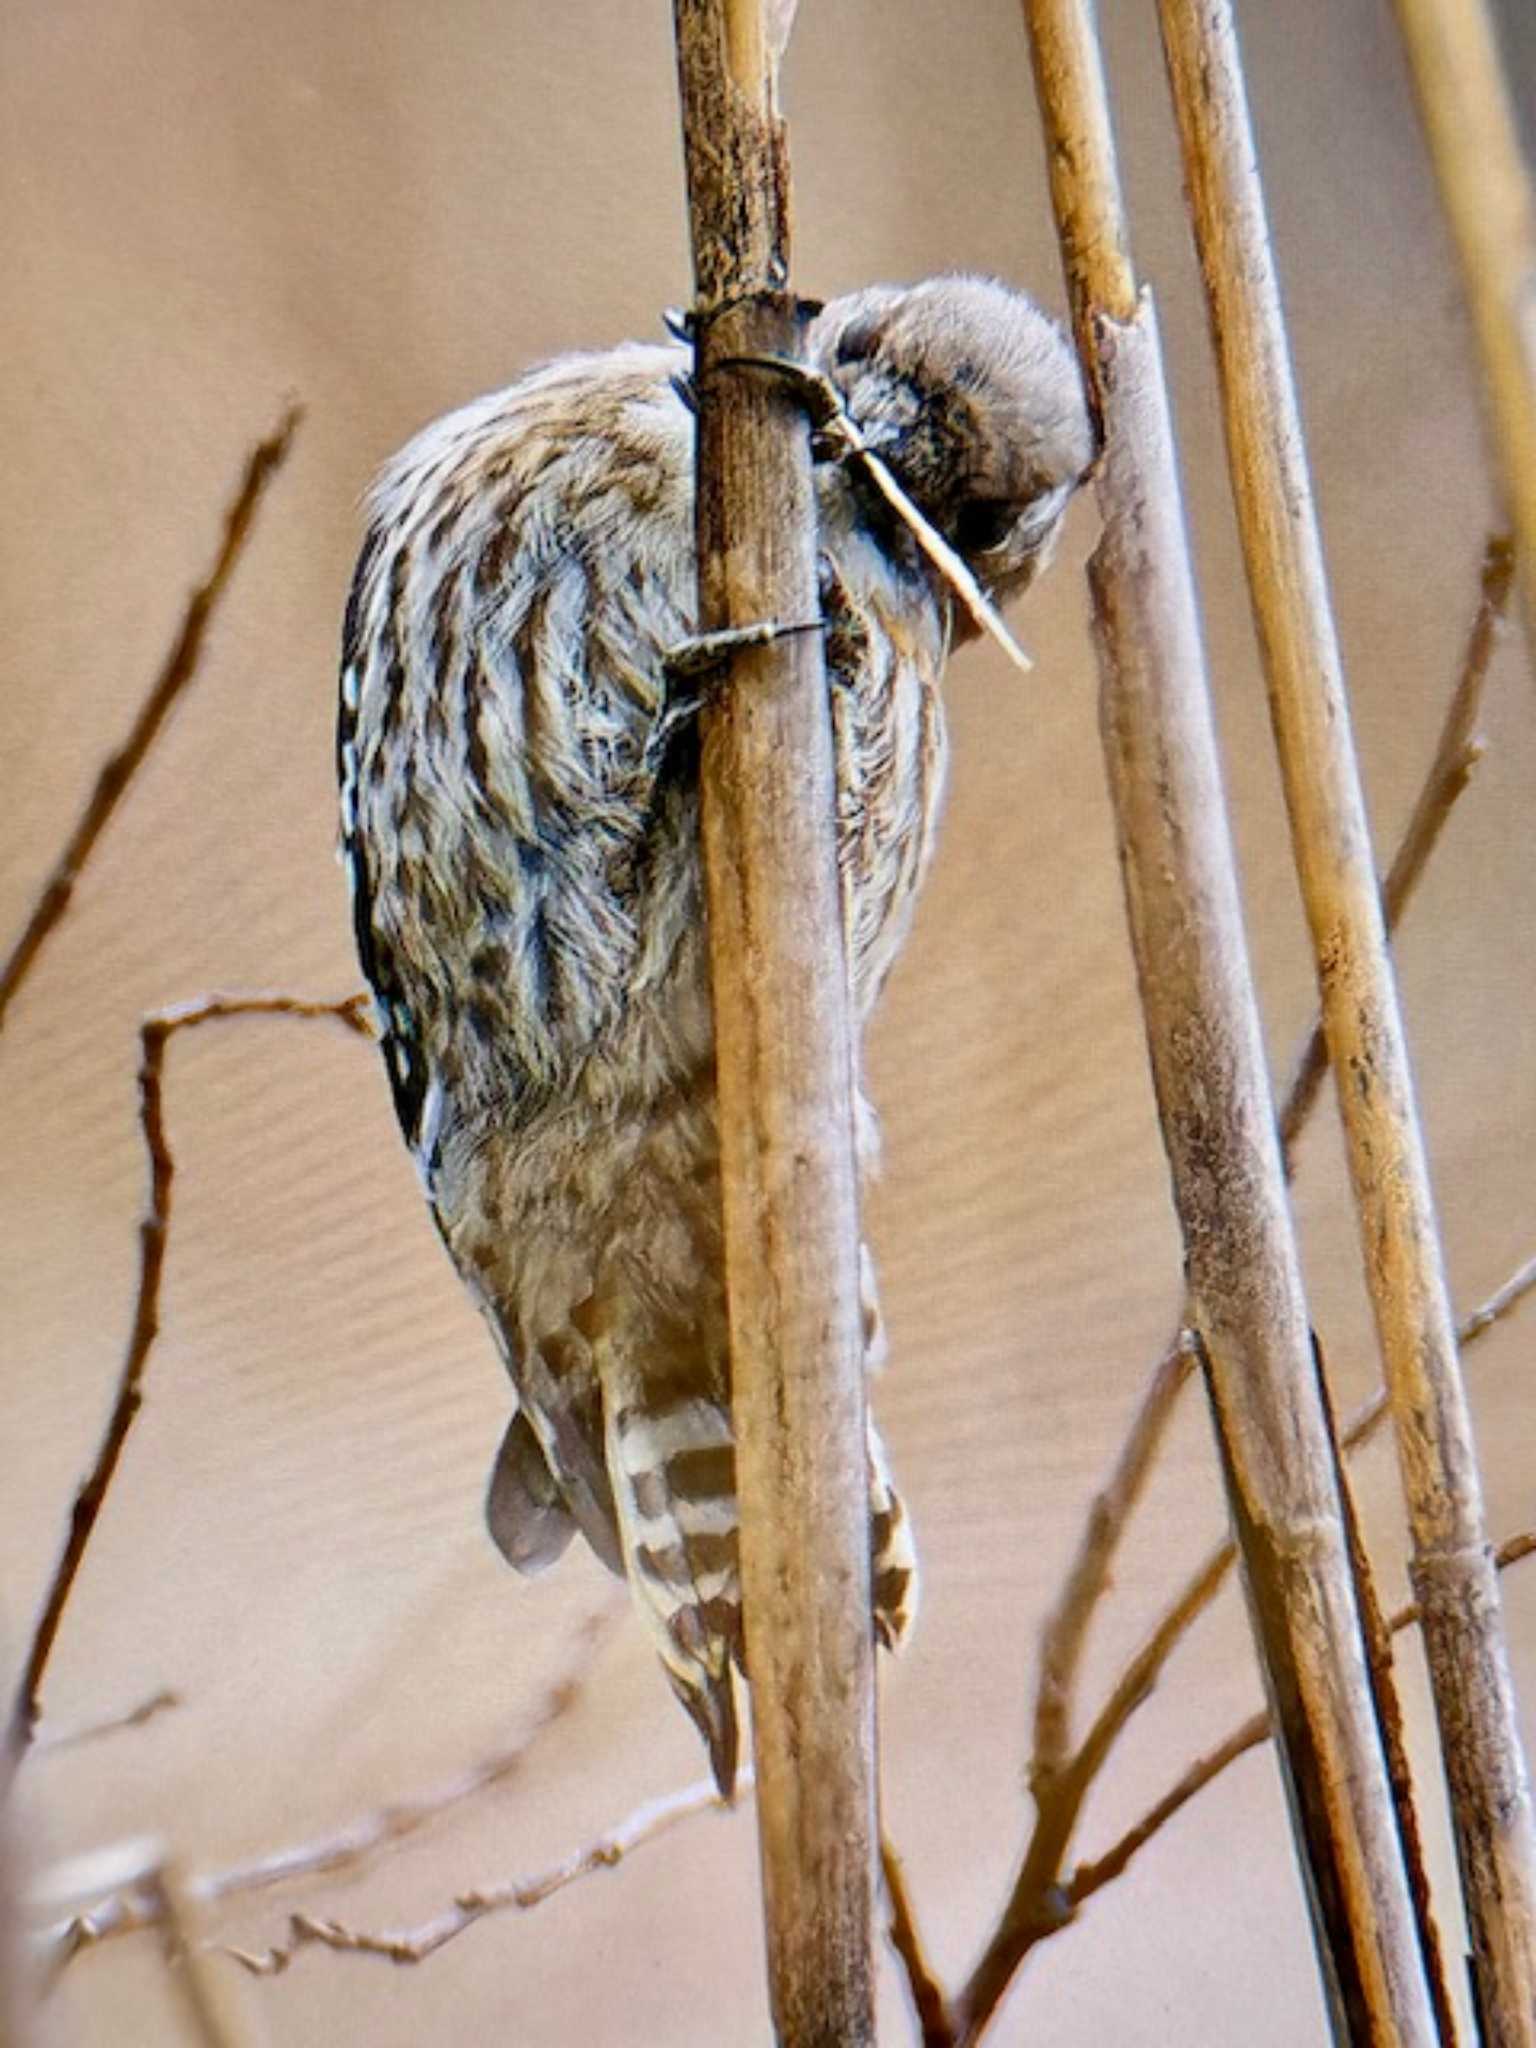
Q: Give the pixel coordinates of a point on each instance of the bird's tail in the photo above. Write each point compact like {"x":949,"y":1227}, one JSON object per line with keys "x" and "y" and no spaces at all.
{"x":673,"y":1471}
{"x":892,"y":1559}
{"x":674,"y":1482}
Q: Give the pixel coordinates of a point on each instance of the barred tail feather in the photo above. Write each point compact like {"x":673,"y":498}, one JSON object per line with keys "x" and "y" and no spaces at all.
{"x":674,"y":1483}
{"x":892,"y":1559}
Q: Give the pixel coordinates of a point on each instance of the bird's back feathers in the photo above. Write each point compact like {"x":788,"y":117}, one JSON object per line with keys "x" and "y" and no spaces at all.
{"x":519,"y":818}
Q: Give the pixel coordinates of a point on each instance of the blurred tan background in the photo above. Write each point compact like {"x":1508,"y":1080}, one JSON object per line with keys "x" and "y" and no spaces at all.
{"x":385,"y":209}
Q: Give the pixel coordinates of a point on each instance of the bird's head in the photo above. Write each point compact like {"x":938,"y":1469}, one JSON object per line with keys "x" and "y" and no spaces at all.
{"x":971,"y":396}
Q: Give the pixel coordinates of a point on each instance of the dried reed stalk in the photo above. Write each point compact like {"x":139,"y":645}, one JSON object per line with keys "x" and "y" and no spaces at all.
{"x":1451,"y":1567}
{"x":1485,"y":183}
{"x":16,"y":2000}
{"x":1217,"y":1116}
{"x":784,"y":1052}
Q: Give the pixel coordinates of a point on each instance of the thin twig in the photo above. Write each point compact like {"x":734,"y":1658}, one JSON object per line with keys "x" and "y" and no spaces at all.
{"x":927,"y":1994}
{"x":1065,"y":1785}
{"x":178,"y":670}
{"x":1210,"y":1575}
{"x":17,"y":1998}
{"x":51,"y":1739}
{"x":1372,"y":1412}
{"x":155,"y":1035}
{"x":415,"y":1944}
{"x":127,"y":1908}
{"x":356,"y":1845}
{"x":1092,"y":1877}
{"x":1065,"y":1633}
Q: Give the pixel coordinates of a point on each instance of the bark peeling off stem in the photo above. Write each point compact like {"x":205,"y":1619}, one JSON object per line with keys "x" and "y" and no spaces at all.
{"x":784,"y":1062}
{"x":1452,"y":1566}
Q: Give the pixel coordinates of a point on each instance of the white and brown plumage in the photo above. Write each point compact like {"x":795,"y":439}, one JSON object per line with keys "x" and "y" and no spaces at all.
{"x":519,"y":804}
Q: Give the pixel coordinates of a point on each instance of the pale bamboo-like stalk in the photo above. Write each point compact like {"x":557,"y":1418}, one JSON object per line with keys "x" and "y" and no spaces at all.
{"x":15,"y":1992}
{"x":1486,"y":185}
{"x":784,"y":1055}
{"x":1451,"y":1566}
{"x":1217,"y":1116}
{"x":206,"y":1996}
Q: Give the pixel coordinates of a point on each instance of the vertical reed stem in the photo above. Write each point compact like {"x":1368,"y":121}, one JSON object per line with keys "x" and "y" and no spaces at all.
{"x":1218,"y":1119}
{"x":1486,"y":186}
{"x":1452,"y":1565}
{"x":784,"y":1050}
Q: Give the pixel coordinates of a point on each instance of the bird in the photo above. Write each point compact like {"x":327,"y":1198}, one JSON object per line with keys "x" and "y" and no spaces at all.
{"x":518,"y":759}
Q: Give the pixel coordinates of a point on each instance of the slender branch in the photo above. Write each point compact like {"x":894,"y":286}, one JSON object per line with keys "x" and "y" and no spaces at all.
{"x":1458,"y":749}
{"x":1373,"y":1411}
{"x":784,"y":1048}
{"x":928,"y":2001}
{"x":1486,"y":186}
{"x":128,"y":1906}
{"x":178,"y":670}
{"x":1464,"y":1645}
{"x":51,"y":1740}
{"x":155,"y":1035}
{"x":1092,"y":1877}
{"x":1065,"y":1634}
{"x":1136,"y":1682}
{"x":415,"y":1944}
{"x":1208,"y":1577}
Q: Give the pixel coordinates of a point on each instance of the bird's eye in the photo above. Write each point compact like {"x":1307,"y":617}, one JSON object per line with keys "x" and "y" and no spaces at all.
{"x":984,"y":524}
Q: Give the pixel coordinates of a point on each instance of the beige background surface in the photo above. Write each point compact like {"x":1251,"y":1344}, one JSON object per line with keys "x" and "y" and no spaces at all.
{"x":387,"y":208}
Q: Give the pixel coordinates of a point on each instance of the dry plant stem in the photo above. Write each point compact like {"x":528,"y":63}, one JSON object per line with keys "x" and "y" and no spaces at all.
{"x":16,"y":1995}
{"x":784,"y":1058}
{"x":155,"y":1035}
{"x":179,"y":669}
{"x":415,"y":1944}
{"x":1457,"y":751}
{"x":207,"y":2001}
{"x":1451,"y":1567}
{"x":1218,"y":1121}
{"x":1486,"y":186}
